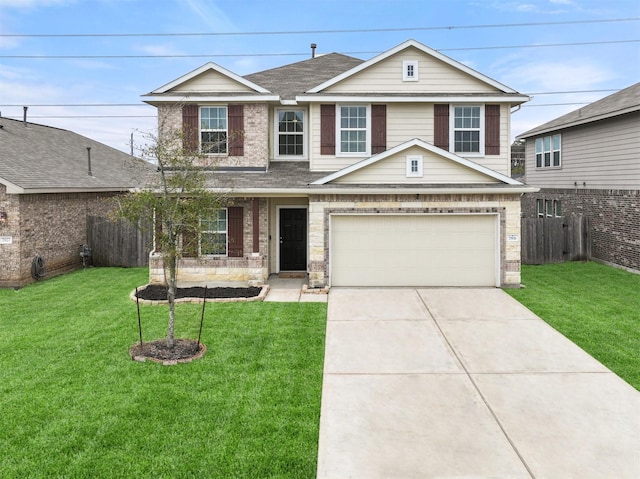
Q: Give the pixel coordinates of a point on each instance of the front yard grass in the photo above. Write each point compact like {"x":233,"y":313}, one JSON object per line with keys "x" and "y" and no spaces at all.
{"x":594,"y":305}
{"x":75,"y":405}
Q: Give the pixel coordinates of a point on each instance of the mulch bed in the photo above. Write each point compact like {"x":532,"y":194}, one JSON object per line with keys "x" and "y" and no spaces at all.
{"x":156,"y":292}
{"x":183,"y":349}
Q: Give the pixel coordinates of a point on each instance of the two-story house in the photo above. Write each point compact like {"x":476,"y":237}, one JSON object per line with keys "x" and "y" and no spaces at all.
{"x":389,"y":172}
{"x":587,"y":162}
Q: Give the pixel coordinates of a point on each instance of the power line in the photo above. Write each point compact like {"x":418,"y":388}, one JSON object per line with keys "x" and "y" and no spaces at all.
{"x":221,"y":55}
{"x":306,"y":32}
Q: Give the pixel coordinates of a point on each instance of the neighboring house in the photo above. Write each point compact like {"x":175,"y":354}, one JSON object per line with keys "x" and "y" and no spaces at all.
{"x":587,"y":162}
{"x":389,"y":172}
{"x":48,"y":187}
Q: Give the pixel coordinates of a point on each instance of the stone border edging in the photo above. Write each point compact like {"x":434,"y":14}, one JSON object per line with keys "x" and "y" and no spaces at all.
{"x":260,"y":297}
{"x":307,"y":290}
{"x":168,"y":362}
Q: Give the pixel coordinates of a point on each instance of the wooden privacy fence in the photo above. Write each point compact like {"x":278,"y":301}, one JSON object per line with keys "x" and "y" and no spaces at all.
{"x":117,"y":243}
{"x":554,"y":240}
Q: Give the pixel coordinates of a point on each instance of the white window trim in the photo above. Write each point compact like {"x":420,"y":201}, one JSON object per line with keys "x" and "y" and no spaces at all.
{"x":226,"y":246}
{"x":414,"y":174}
{"x":405,"y":70}
{"x":356,"y":154}
{"x":305,"y":128}
{"x":200,"y":130}
{"x":452,"y":130}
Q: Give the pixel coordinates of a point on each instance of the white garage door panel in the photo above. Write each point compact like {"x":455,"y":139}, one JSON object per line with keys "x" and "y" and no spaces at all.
{"x":407,"y":250}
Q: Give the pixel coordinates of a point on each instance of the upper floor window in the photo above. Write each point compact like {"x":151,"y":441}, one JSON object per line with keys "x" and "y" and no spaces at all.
{"x":467,"y":128}
{"x":548,"y":151}
{"x":213,"y":129}
{"x":414,"y":166}
{"x":290,"y":133}
{"x":353,"y":130}
{"x":410,"y":70}
{"x":213,"y":234}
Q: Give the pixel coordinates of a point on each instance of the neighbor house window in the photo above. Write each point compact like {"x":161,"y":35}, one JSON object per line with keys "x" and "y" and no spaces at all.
{"x":213,"y":234}
{"x":290,"y":130}
{"x":557,"y":208}
{"x":213,"y":129}
{"x":353,"y":130}
{"x":540,"y":208}
{"x":414,"y":166}
{"x":467,"y":127}
{"x":410,"y":70}
{"x":548,"y":204}
{"x":548,"y":151}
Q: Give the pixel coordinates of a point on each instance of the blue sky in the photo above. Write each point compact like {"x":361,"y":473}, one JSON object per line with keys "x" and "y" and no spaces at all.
{"x":539,"y":70}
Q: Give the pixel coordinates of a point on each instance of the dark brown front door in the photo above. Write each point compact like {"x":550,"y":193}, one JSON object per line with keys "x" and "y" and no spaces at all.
{"x":293,"y":239}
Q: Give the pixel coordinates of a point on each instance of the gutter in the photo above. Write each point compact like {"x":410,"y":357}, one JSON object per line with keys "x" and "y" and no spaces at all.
{"x":271,"y":192}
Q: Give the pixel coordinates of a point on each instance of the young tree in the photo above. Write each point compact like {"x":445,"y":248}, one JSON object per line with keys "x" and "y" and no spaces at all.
{"x":174,"y":199}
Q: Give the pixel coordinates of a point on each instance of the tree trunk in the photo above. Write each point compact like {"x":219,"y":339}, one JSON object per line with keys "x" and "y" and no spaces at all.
{"x":171,"y":297}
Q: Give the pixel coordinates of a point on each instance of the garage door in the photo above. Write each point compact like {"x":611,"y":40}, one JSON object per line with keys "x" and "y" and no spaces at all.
{"x":414,"y":250}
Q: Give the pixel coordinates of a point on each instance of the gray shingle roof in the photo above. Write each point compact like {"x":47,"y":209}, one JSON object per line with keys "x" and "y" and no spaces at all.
{"x":624,"y":101}
{"x":37,"y":157}
{"x":296,"y":78}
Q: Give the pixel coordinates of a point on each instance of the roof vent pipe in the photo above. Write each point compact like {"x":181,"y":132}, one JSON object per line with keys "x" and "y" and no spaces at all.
{"x":89,"y":159}
{"x":313,"y":50}
{"x":24,"y":115}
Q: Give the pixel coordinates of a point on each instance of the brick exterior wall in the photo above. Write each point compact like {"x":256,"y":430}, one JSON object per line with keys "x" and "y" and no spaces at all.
{"x":252,"y":268}
{"x":52,"y":226}
{"x":256,"y":144}
{"x":614,"y":215}
{"x":321,"y":206}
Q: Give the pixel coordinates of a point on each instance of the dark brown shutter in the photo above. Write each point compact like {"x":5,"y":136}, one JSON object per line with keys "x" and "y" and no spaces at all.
{"x":235,"y":230}
{"x":378,"y":128}
{"x":492,"y":129}
{"x":441,"y":126}
{"x":190,"y":130}
{"x":327,"y":129}
{"x":236,"y":130}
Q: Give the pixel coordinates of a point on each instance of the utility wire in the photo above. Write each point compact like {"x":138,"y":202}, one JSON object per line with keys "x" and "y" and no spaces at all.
{"x":306,"y":32}
{"x":221,"y":55}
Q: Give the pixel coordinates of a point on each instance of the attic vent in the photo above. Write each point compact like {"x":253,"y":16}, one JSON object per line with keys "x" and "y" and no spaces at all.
{"x":313,"y":50}
{"x":410,"y":70}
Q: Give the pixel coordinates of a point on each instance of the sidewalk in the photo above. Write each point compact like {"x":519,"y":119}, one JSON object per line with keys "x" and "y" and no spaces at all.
{"x":444,"y":383}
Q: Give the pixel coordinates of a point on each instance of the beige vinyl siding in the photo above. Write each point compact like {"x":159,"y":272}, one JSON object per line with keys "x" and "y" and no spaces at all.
{"x":436,"y":170}
{"x":406,"y":121}
{"x":211,"y":81}
{"x":604,"y":155}
{"x":435,"y":76}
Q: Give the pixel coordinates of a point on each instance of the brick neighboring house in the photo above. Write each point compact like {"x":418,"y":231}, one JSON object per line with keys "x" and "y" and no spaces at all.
{"x":587,"y":162}
{"x":47,"y":191}
{"x":389,"y":172}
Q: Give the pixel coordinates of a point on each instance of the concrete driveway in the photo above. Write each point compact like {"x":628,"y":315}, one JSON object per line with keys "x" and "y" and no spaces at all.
{"x":452,"y":383}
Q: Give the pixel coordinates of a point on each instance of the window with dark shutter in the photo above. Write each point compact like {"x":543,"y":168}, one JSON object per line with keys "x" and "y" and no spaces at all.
{"x":492,"y":129}
{"x":441,"y":126}
{"x":190,"y":130}
{"x":378,"y":128}
{"x":236,"y":232}
{"x":236,"y":130}
{"x":327,"y":129}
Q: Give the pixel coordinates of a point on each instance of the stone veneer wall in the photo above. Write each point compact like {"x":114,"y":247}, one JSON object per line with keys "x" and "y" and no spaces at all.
{"x":52,"y":226}
{"x":251,"y":268}
{"x":321,"y":206}
{"x":614,"y":215}
{"x":256,"y":144}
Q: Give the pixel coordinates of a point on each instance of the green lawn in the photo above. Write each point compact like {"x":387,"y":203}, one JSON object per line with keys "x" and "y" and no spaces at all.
{"x":596,"y":306}
{"x":74,"y":405}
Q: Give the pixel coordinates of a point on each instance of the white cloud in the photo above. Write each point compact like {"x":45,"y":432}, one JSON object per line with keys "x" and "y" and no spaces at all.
{"x":158,"y":49}
{"x":576,"y":74}
{"x":209,"y":13}
{"x":34,"y":3}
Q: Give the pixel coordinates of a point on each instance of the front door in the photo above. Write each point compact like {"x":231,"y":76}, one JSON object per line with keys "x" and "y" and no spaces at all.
{"x":293,"y":239}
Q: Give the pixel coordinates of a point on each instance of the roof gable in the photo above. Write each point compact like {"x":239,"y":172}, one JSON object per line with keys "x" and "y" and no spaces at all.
{"x":406,"y":50}
{"x":439,"y":167}
{"x":210,"y":77}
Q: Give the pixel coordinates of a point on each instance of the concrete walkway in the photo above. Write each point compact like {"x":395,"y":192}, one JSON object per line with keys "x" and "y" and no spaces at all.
{"x":290,"y":290}
{"x":444,"y":383}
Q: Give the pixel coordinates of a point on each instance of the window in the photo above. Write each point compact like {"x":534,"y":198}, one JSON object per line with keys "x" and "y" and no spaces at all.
{"x":410,"y":70}
{"x":467,"y":125}
{"x":548,"y":204}
{"x":557,"y":208}
{"x":540,"y":208}
{"x":290,"y":131}
{"x":213,"y":234}
{"x":353,"y":130}
{"x":548,"y":151}
{"x":213,"y":129}
{"x":414,"y":166}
